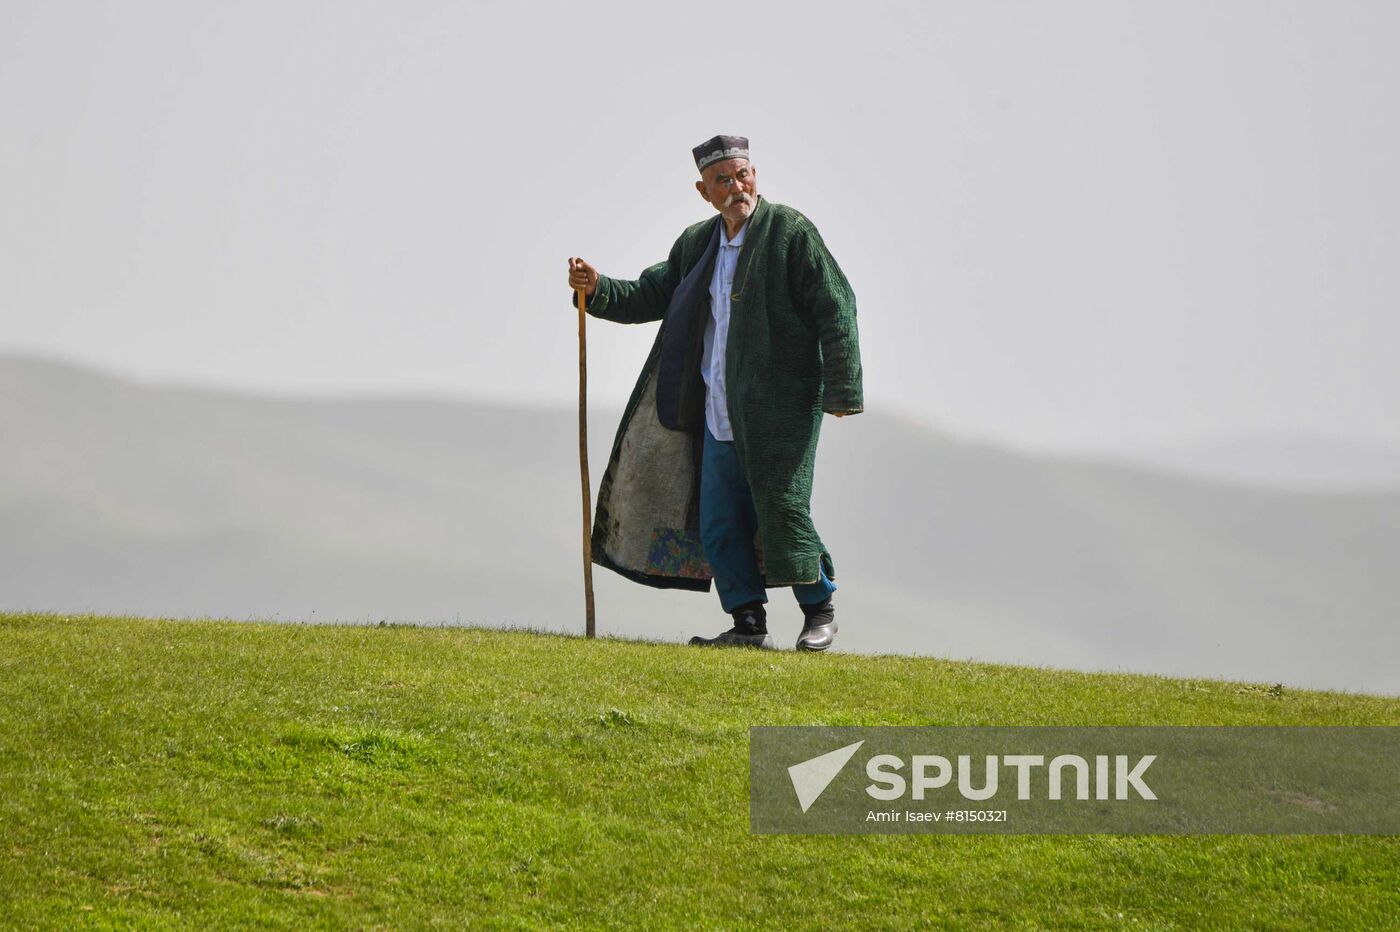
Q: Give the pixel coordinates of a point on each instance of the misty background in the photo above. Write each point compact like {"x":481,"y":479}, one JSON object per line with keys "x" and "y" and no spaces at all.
{"x":1150,"y":247}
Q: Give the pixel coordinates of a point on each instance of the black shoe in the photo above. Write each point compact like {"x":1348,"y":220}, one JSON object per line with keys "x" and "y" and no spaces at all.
{"x":750,"y":630}
{"x":819,"y":630}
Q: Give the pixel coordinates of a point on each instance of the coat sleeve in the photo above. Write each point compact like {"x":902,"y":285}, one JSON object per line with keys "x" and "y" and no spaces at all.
{"x":639,"y":301}
{"x":827,"y":298}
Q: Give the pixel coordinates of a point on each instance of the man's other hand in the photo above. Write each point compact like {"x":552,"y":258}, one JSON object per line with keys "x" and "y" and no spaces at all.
{"x":582,"y":275}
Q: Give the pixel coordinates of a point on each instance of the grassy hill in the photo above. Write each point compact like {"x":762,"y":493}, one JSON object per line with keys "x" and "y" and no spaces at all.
{"x":219,"y":774}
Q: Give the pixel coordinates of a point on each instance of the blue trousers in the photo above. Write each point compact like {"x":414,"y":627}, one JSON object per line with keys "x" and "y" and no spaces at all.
{"x":728,"y":523}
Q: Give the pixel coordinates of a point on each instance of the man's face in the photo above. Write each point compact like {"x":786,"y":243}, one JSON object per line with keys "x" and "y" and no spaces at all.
{"x":732,"y":187}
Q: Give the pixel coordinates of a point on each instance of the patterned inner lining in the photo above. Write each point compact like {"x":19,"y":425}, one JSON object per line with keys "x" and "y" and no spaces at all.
{"x":650,"y":498}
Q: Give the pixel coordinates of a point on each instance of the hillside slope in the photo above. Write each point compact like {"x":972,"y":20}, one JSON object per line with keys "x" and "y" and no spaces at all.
{"x":226,"y":775}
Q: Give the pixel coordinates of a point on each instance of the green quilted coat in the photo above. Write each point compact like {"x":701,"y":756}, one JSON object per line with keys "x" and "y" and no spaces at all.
{"x":793,"y":353}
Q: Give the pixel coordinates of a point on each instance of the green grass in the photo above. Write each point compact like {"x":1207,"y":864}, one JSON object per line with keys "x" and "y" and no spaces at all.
{"x":221,"y":774}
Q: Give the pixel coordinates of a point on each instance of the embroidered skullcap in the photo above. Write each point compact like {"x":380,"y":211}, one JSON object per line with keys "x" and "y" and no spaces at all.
{"x":720,"y":148}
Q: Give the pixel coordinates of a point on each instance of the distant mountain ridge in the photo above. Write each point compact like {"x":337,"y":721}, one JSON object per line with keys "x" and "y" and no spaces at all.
{"x":1278,"y":460}
{"x":119,"y":497}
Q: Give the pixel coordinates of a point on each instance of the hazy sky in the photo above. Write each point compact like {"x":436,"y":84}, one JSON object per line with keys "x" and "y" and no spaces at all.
{"x":1080,"y":225}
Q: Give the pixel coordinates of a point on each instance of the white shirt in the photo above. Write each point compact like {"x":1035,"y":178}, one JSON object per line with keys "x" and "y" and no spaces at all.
{"x":717,"y":332}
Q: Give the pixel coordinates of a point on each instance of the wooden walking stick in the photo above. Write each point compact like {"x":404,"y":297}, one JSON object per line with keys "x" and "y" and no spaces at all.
{"x":583,"y":463}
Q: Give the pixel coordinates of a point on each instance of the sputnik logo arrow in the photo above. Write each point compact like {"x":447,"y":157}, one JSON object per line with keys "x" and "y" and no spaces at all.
{"x":811,"y":777}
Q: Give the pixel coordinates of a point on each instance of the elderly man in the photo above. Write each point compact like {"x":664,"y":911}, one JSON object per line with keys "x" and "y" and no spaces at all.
{"x":710,"y":475}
